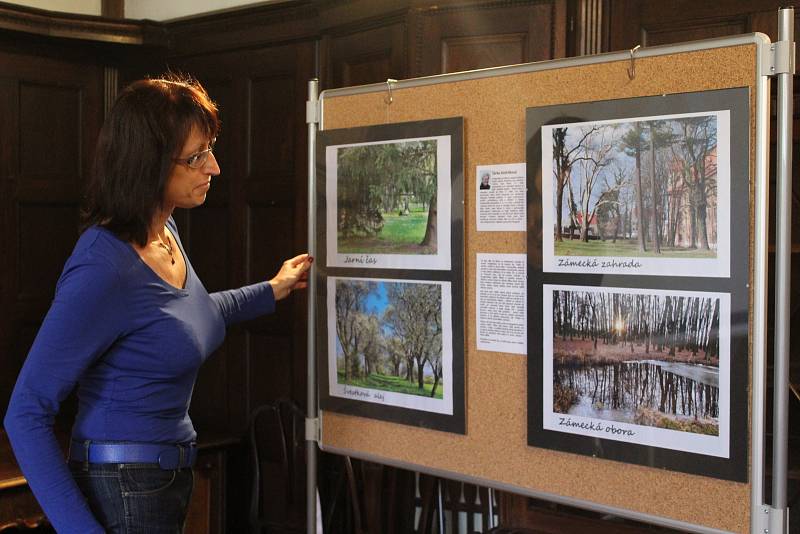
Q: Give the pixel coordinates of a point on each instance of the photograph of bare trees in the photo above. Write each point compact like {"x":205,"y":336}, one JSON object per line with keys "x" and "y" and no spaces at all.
{"x":629,"y":194}
{"x":628,"y":358}
{"x":389,"y":342}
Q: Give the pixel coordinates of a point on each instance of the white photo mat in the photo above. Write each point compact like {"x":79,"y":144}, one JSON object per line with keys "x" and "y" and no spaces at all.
{"x":389,"y":398}
{"x":438,"y":261}
{"x":641,"y":265}
{"x":634,"y":433}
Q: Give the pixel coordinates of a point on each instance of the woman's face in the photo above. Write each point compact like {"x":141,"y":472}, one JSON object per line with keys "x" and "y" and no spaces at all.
{"x":187,"y":186}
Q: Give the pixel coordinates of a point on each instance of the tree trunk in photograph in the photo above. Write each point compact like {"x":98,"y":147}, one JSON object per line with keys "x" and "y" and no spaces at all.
{"x":640,"y":198}
{"x":430,"y":230}
{"x":573,"y":217}
{"x":713,"y":337}
{"x":559,"y":207}
{"x":654,"y":226}
{"x":421,"y":376}
{"x":436,"y":374}
{"x":562,"y":174}
{"x":701,"y":215}
{"x":675,"y":217}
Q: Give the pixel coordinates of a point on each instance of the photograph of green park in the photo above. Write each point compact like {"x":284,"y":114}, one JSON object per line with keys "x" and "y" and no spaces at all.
{"x":389,"y":337}
{"x":386,"y":198}
{"x":636,"y":187}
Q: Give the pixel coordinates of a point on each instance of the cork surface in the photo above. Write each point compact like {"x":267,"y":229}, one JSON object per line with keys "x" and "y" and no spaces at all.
{"x":495,"y":445}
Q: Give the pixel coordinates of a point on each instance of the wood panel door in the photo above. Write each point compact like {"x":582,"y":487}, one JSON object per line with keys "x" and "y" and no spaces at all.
{"x":364,"y":54}
{"x":465,"y":37}
{"x":254,"y":218}
{"x":51,"y":110}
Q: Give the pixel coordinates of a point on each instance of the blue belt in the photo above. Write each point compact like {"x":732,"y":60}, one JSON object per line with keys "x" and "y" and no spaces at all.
{"x":167,"y":456}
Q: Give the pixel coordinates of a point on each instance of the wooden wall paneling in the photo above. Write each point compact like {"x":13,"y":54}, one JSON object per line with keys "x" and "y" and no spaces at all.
{"x":367,"y":55}
{"x":262,"y":156}
{"x":9,"y":163}
{"x":248,"y":30}
{"x":587,"y":27}
{"x":205,"y":231}
{"x":635,"y":22}
{"x":466,"y":37}
{"x":468,"y":53}
{"x":52,"y":111}
{"x":54,"y":24}
{"x":114,"y":9}
{"x":215,"y":239}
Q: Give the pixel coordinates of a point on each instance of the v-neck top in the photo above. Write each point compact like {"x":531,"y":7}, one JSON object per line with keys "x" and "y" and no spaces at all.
{"x":133,"y":343}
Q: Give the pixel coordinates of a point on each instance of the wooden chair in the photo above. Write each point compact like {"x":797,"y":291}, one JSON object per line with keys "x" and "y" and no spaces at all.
{"x":277,"y":444}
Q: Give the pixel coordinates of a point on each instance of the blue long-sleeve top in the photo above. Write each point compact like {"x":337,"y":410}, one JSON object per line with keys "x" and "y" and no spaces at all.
{"x":133,"y":344}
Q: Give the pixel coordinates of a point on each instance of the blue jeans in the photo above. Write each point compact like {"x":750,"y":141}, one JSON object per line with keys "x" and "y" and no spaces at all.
{"x":135,"y":498}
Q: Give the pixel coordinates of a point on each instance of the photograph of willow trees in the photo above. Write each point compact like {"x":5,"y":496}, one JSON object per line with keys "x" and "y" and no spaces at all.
{"x":635,"y":188}
{"x":644,"y":359}
{"x":386,"y":198}
{"x":389,"y":336}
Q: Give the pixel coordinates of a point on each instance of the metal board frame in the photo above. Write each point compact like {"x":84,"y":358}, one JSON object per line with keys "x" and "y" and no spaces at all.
{"x":315,"y":115}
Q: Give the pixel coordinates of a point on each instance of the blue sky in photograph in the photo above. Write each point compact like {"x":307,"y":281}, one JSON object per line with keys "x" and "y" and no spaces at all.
{"x":377,"y":300}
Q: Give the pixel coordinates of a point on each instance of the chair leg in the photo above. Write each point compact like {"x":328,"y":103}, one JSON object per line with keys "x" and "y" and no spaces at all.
{"x":351,"y":479}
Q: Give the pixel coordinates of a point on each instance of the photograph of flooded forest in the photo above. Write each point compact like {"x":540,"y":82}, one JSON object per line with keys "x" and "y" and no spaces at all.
{"x":649,"y":359}
{"x":386,"y":197}
{"x":389,"y":337}
{"x":636,"y":187}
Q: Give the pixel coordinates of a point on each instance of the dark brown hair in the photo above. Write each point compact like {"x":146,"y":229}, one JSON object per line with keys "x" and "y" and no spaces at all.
{"x":147,"y":127}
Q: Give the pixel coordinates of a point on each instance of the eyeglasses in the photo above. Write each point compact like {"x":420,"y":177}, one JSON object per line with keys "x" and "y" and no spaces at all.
{"x":198,"y":159}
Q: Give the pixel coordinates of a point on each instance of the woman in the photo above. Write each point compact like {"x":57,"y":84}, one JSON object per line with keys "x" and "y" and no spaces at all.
{"x":131,"y":324}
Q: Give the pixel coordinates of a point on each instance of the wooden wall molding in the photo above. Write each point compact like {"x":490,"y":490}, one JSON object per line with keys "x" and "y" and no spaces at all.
{"x":251,"y":28}
{"x":371,"y":23}
{"x":88,"y":28}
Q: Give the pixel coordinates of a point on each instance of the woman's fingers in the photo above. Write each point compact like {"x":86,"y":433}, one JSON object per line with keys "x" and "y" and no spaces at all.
{"x":292,"y":275}
{"x":300,"y":259}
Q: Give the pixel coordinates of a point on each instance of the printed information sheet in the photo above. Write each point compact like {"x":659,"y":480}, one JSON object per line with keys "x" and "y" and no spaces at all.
{"x":501,"y":198}
{"x":501,"y":303}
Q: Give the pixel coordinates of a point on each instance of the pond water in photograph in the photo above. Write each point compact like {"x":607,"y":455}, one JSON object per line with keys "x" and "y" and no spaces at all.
{"x":625,"y":391}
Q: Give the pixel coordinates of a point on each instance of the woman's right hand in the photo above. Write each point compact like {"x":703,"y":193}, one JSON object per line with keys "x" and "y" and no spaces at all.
{"x":293,"y":275}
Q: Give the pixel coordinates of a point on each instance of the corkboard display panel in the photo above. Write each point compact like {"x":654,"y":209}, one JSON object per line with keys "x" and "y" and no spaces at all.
{"x":494,"y":448}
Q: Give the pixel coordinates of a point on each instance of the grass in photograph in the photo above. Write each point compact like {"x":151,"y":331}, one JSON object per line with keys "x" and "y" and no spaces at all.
{"x":624,"y":249}
{"x":647,"y":417}
{"x":392,"y":383}
{"x":399,"y":235}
